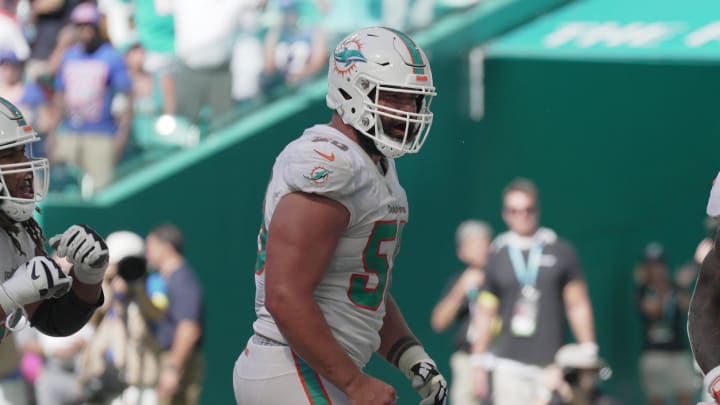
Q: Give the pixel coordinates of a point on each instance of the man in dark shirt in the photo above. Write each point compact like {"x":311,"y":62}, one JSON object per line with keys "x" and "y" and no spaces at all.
{"x":180,"y":331}
{"x":533,"y":283}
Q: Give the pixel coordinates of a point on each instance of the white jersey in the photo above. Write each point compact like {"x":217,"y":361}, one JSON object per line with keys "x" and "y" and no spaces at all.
{"x":352,"y":293}
{"x":10,"y":257}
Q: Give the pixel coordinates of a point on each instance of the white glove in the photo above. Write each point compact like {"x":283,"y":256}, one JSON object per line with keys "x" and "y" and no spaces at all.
{"x":713,"y":206}
{"x":86,"y":250}
{"x":424,"y":375}
{"x":38,"y":279}
{"x":711,"y":382}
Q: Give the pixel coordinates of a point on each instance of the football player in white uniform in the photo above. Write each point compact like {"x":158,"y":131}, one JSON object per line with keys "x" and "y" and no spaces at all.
{"x":32,"y":285}
{"x":333,"y":215}
{"x":704,"y":312}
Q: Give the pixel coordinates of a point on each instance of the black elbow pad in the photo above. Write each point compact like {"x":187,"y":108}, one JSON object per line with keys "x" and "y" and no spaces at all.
{"x":65,"y":315}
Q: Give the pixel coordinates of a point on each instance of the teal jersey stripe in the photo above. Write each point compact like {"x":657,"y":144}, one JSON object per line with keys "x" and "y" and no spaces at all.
{"x":311,"y":382}
{"x":413,"y":49}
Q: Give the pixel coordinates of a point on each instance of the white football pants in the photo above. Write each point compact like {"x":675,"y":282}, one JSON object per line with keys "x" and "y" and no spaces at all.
{"x":269,"y":375}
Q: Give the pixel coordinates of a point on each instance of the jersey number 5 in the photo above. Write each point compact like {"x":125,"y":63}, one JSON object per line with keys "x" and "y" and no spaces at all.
{"x":378,"y":257}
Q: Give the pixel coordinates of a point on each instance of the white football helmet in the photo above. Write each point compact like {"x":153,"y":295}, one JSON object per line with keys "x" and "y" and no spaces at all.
{"x":368,"y":63}
{"x":15,"y":132}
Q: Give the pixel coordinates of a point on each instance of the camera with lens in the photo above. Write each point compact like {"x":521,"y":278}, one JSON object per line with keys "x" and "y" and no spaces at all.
{"x":132,"y":268}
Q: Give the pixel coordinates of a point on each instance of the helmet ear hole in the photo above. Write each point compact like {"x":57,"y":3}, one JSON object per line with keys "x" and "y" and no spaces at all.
{"x":345,"y":94}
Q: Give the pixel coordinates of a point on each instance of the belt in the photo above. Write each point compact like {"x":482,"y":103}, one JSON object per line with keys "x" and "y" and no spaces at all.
{"x":263,"y":341}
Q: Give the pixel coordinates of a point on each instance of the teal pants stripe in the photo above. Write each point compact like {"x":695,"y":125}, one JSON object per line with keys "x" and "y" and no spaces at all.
{"x":311,"y":382}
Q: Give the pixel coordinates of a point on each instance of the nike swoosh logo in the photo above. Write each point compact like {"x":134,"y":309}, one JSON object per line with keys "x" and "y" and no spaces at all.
{"x":34,"y":275}
{"x":329,"y":157}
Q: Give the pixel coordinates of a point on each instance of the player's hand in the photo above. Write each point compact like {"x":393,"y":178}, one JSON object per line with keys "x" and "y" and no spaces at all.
{"x":429,"y":383}
{"x":39,"y":279}
{"x":367,"y":390}
{"x":86,"y":250}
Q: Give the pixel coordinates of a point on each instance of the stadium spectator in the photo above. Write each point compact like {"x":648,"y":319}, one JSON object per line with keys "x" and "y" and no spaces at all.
{"x":93,"y":94}
{"x":155,"y":31}
{"x":12,"y":387}
{"x":407,"y":14}
{"x":293,"y":52}
{"x":49,"y":19}
{"x":533,"y":282}
{"x":121,"y":364}
{"x":574,"y":377}
{"x":180,"y":331}
{"x":246,"y":64}
{"x":11,"y":33}
{"x":457,"y":305}
{"x":27,"y":95}
{"x":56,"y":383}
{"x":666,"y":364}
{"x":204,"y":36}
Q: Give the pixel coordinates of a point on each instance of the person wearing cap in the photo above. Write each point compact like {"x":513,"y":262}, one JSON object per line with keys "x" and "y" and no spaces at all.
{"x":180,"y":331}
{"x":665,"y":365}
{"x":93,"y":98}
{"x":575,"y":374}
{"x":122,"y":361}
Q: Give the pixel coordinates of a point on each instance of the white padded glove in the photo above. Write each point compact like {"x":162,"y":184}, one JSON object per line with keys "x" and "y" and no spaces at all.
{"x":713,"y":206}
{"x":711,"y":383}
{"x":38,"y":279}
{"x":424,"y":375}
{"x":86,"y":250}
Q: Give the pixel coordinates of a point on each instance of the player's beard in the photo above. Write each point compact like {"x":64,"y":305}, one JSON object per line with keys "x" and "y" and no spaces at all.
{"x":368,"y":145}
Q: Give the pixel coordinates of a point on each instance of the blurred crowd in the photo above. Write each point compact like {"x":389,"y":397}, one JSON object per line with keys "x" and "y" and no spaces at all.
{"x":114,"y":84}
{"x":142,"y":347}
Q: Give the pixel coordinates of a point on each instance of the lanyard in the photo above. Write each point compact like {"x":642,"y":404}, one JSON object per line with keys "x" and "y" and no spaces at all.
{"x":526,"y":272}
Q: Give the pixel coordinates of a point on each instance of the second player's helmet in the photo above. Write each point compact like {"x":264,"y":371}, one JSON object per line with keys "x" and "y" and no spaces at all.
{"x":370,"y":62}
{"x":16,"y":132}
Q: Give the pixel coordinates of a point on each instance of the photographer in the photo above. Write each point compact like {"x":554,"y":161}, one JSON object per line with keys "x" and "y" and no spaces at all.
{"x":129,"y":374}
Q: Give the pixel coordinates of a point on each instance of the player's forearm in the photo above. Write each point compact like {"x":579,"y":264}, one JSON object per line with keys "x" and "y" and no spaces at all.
{"x":446,"y":310}
{"x":581,"y":322}
{"x":483,"y":321}
{"x":579,"y":311}
{"x":89,"y":293}
{"x":303,"y":325}
{"x":186,"y":337}
{"x":395,"y":335}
